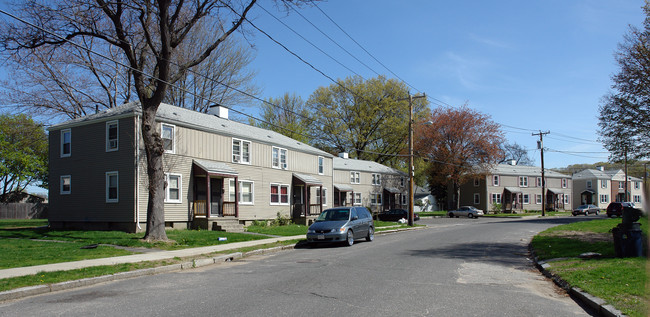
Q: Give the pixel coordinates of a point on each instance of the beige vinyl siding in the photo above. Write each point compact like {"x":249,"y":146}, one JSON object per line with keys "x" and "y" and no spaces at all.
{"x":87,"y":167}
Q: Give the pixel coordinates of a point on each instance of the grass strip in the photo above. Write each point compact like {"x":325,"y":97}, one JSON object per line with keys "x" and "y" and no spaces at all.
{"x":22,"y":223}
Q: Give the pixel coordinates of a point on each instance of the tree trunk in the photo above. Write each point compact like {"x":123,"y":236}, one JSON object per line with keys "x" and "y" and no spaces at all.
{"x":457,"y":194}
{"x":154,"y":150}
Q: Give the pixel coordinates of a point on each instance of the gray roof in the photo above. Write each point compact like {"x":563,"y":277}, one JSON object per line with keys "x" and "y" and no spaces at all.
{"x":592,"y":173}
{"x":521,"y":170}
{"x":364,"y":166}
{"x":201,"y":121}
{"x":307,"y":179}
{"x":214,"y":167}
{"x":343,"y":187}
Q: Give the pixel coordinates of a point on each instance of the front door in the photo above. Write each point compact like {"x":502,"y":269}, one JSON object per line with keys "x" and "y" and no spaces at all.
{"x":216,"y":197}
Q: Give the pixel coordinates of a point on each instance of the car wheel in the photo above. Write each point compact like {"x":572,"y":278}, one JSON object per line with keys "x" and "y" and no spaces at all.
{"x":597,"y":212}
{"x":586,"y":213}
{"x":470,"y":215}
{"x":371,"y":234}
{"x":451,"y":215}
{"x":350,"y":238}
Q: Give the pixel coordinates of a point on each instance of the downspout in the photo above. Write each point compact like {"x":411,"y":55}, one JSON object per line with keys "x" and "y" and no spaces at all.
{"x":137,"y":171}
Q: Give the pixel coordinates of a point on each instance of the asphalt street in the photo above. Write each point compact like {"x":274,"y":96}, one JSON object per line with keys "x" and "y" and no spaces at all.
{"x":455,"y":267}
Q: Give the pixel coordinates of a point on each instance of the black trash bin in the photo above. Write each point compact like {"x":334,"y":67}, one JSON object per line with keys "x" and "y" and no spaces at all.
{"x":618,"y":241}
{"x":632,"y":243}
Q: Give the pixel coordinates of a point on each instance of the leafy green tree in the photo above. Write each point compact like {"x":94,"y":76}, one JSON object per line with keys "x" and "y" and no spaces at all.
{"x":367,"y":118}
{"x":286,"y":115}
{"x":624,"y":118}
{"x":23,"y":154}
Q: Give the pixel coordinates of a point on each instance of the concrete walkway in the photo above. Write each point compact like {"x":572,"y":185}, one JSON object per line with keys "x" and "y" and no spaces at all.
{"x":149,"y":256}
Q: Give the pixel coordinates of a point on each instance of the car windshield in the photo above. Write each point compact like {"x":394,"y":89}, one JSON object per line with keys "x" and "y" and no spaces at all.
{"x":334,"y":215}
{"x":582,"y":207}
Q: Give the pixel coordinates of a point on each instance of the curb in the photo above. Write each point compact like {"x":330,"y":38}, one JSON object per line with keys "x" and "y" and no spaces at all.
{"x":48,"y":288}
{"x":597,"y":304}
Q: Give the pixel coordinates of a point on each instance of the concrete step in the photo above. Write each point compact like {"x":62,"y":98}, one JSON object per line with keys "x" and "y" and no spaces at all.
{"x":227,"y":226}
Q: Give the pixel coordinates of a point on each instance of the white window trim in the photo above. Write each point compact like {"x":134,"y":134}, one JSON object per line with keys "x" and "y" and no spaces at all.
{"x":565,"y":183}
{"x":376,"y":179}
{"x":497,"y":196}
{"x":567,"y":200}
{"x":180,"y":188}
{"x":477,"y":182}
{"x":636,"y":198}
{"x":63,"y":132}
{"x":117,"y":175}
{"x":603,"y":183}
{"x":280,"y":151}
{"x":117,"y":140}
{"x":477,"y":198}
{"x":162,"y":128}
{"x":496,"y":180}
{"x":637,"y":185}
{"x":538,"y":199}
{"x":280,"y":203}
{"x":321,"y":165}
{"x":324,"y":197}
{"x":241,"y":151}
{"x":589,"y":184}
{"x":526,"y":199}
{"x":377,"y":202}
{"x":241,"y":193}
{"x":523,"y":181}
{"x":61,"y":191}
{"x":354,"y":199}
{"x":355,"y":178}
{"x":605,"y":200}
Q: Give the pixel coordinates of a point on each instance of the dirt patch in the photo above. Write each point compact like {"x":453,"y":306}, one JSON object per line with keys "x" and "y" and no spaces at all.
{"x":584,"y":236}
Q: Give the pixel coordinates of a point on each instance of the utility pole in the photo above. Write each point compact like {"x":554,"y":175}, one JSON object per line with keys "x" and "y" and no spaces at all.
{"x":540,"y":145}
{"x":625,"y":190}
{"x":411,"y":167}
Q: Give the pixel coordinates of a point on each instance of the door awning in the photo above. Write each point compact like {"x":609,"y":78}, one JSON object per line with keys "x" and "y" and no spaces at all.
{"x":307,"y":179}
{"x":588,"y":191}
{"x":514,"y":190}
{"x":215,"y":168}
{"x":392,"y":190}
{"x":556,"y":191}
{"x":343,"y":188}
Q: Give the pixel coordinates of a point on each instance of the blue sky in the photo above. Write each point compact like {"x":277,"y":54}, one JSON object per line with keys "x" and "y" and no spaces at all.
{"x":531,"y":65}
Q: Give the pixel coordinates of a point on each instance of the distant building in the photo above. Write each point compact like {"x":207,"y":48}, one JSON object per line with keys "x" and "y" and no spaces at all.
{"x":517,"y":188}
{"x":600,"y":187}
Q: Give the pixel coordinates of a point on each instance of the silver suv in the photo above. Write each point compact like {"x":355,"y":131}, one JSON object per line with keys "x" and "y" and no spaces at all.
{"x":342,"y":224}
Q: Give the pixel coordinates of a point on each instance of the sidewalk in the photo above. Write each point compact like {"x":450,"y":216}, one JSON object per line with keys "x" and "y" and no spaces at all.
{"x":150,"y":256}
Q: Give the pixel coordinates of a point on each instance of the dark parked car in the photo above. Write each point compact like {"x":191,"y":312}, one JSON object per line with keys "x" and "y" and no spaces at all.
{"x":395,"y":215}
{"x":342,"y":224}
{"x":586,"y":210}
{"x":469,"y":211}
{"x":616,"y":208}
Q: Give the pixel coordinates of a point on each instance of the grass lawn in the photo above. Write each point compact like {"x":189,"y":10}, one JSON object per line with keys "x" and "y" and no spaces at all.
{"x":532,"y":213}
{"x":432,"y":213}
{"x":22,"y":223}
{"x":288,"y":230}
{"x":620,"y":282}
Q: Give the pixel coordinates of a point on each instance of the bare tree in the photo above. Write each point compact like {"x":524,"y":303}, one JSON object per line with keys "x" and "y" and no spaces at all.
{"x":148,"y":34}
{"x":519,"y":154}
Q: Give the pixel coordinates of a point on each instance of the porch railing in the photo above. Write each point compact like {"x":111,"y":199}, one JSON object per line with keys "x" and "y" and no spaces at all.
{"x":314,"y":210}
{"x":199,"y":208}
{"x":228,"y":208}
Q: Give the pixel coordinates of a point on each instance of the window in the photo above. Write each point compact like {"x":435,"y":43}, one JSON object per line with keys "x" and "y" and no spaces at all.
{"x":168,"y":137}
{"x":526,"y":199}
{"x":637,"y":185}
{"x":375,"y":199}
{"x":279,"y":157}
{"x":321,"y":165}
{"x":66,"y":143}
{"x":279,"y":194}
{"x":477,"y":182}
{"x":603,"y":183}
{"x":173,"y":189}
{"x":621,"y":185}
{"x":241,"y":151}
{"x":66,"y":185}
{"x":538,"y":199}
{"x":376,"y":179}
{"x":496,"y":198}
{"x":355,"y":178}
{"x":565,"y":183}
{"x":566,"y":198}
{"x":538,"y":182}
{"x":604,"y":199}
{"x":404,"y":197}
{"x":318,"y":196}
{"x":523,"y":181}
{"x":111,"y":136}
{"x":495,"y":180}
{"x":246,"y":192}
{"x":111,"y":187}
{"x":401,"y":181}
{"x":357,"y":199}
{"x":477,"y":198}
{"x":588,"y":184}
{"x":637,"y":198}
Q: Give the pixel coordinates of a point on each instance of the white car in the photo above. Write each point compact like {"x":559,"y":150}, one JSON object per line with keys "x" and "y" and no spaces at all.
{"x":468,"y":211}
